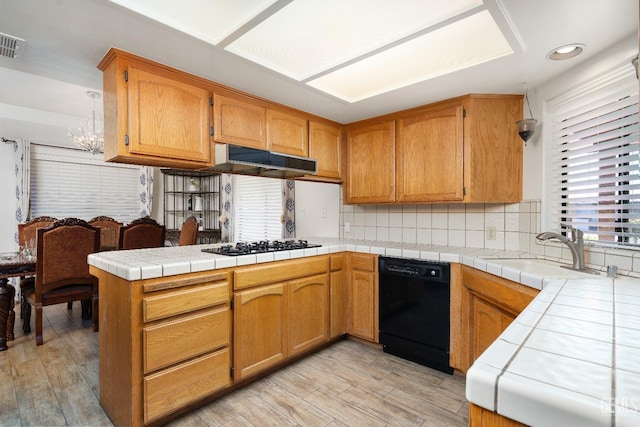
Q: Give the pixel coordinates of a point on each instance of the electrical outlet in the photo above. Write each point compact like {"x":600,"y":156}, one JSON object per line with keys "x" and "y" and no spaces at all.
{"x":323,"y":212}
{"x":347,"y":227}
{"x":491,"y":233}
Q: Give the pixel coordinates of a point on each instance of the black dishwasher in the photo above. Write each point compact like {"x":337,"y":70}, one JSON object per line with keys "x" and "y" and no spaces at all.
{"x":414,"y":310}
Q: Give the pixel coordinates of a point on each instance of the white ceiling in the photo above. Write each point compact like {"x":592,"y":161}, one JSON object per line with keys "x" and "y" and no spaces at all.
{"x":65,"y":40}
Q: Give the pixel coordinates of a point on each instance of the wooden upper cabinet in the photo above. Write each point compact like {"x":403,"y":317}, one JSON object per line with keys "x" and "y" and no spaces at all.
{"x":370,"y":170}
{"x":154,"y":115}
{"x":287,"y":133}
{"x":465,"y":149}
{"x":325,"y":145}
{"x":429,"y":156}
{"x":493,"y":149}
{"x":239,"y":122}
{"x":167,"y":118}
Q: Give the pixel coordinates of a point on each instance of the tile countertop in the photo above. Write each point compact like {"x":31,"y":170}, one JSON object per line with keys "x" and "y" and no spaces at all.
{"x":572,"y":357}
{"x":159,"y":262}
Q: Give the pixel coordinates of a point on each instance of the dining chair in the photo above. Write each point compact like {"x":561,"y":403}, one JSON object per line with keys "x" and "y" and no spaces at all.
{"x":189,"y":232}
{"x":109,"y":231}
{"x":141,"y":233}
{"x":28,"y":230}
{"x":27,"y":234}
{"x":62,"y":272}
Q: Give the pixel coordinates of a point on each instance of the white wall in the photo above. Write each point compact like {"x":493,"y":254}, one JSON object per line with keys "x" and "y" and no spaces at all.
{"x":317,"y":209}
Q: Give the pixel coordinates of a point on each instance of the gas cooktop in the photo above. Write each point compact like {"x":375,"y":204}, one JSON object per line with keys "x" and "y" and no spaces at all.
{"x":261,"y":247}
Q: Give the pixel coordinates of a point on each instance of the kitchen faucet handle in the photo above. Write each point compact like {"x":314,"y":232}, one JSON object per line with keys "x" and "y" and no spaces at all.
{"x":575,"y":232}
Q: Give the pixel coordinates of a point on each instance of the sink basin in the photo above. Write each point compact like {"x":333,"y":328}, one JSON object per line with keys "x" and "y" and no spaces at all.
{"x":541,"y":267}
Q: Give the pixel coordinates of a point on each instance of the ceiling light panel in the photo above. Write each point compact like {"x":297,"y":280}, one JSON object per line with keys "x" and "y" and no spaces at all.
{"x":308,"y":37}
{"x":208,"y":20}
{"x":471,"y":41}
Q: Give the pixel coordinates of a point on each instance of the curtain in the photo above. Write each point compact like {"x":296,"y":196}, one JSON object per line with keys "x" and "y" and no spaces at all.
{"x":288,"y":208}
{"x":22,"y":158}
{"x":146,"y":190}
{"x":226,"y":218}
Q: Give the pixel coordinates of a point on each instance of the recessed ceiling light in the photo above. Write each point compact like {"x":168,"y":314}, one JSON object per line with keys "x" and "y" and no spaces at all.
{"x":566,"y":51}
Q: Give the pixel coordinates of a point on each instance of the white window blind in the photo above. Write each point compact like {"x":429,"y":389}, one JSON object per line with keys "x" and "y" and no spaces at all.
{"x":257,"y":208}
{"x":595,"y":182}
{"x":73,"y":183}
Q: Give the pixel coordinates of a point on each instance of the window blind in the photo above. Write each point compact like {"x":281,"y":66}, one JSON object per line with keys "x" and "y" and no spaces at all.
{"x":73,"y":183}
{"x":257,"y":208}
{"x":595,"y":182}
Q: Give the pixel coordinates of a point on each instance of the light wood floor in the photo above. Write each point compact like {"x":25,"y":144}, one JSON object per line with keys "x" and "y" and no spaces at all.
{"x":346,"y":384}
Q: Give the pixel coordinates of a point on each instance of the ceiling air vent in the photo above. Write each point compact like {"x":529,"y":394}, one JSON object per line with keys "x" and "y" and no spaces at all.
{"x":10,"y":46}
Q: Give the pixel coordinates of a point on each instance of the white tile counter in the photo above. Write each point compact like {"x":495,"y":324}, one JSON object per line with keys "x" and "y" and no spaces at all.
{"x":572,"y":357}
{"x":158,"y":262}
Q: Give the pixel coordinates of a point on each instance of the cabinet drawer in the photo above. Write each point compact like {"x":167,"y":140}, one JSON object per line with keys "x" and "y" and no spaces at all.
{"x":280,"y":271}
{"x":337,"y":262}
{"x":180,"y":339}
{"x":363,"y":262}
{"x":176,"y":387}
{"x":185,"y":300}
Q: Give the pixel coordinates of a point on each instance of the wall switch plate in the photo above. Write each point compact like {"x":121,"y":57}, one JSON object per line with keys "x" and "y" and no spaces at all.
{"x":323,"y":212}
{"x":491,"y":233}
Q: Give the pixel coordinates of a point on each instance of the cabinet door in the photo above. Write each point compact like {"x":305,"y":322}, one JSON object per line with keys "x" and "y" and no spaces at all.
{"x":325,"y":146}
{"x":370,"y":171}
{"x":488,"y":305}
{"x":287,"y":133}
{"x":494,"y":161}
{"x":259,"y":329}
{"x":429,"y":156}
{"x":488,"y":323}
{"x":308,"y":320}
{"x":167,"y":118}
{"x":361,"y":305}
{"x":239,"y":122}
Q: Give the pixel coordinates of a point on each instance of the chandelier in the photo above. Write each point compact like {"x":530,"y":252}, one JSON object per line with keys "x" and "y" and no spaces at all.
{"x":91,"y":139}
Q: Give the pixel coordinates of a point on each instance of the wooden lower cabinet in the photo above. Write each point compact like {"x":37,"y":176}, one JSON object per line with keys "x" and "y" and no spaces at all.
{"x":489,"y":304}
{"x":363,"y":296}
{"x":338,"y":296}
{"x":308,"y":313}
{"x":480,"y":417}
{"x":259,"y":323}
{"x":164,"y":343}
{"x":281,"y":309}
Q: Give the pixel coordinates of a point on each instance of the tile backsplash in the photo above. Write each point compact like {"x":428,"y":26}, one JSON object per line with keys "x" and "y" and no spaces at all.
{"x":511,"y":226}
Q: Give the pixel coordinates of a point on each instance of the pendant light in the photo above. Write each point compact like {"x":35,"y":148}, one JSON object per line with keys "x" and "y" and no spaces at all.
{"x":527,"y":127}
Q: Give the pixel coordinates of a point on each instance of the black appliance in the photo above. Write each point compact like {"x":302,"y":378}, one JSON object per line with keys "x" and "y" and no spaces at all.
{"x":414,"y":310}
{"x":260,"y":247}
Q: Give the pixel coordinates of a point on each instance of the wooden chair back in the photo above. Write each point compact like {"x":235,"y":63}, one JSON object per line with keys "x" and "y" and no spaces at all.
{"x":109,"y":232}
{"x":142,"y":233}
{"x":62,"y":271}
{"x":189,"y":232}
{"x":28,"y":230}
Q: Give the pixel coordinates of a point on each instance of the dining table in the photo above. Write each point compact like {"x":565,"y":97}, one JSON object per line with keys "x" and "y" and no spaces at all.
{"x":12,"y":264}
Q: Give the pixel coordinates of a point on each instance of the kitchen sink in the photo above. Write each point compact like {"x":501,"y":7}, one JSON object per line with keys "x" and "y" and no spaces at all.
{"x":541,"y":267}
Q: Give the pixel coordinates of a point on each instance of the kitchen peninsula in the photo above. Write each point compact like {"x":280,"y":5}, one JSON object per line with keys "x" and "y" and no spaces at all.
{"x":162,"y":295}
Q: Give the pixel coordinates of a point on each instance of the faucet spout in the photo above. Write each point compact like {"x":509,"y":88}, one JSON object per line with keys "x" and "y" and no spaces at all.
{"x":575,"y":244}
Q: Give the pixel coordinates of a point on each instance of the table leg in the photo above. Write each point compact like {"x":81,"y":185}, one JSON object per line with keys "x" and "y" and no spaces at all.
{"x":7,"y":314}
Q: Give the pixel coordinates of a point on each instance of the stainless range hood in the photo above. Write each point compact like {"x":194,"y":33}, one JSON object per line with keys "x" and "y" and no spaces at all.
{"x":250,"y":161}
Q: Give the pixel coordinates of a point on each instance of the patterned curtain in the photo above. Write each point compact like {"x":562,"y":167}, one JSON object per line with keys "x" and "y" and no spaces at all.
{"x":288,"y":208}
{"x":22,"y":158}
{"x":146,"y":190}
{"x":226,"y":216}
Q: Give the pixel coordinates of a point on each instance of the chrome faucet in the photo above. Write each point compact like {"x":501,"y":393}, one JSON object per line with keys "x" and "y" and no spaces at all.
{"x":575,"y":244}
